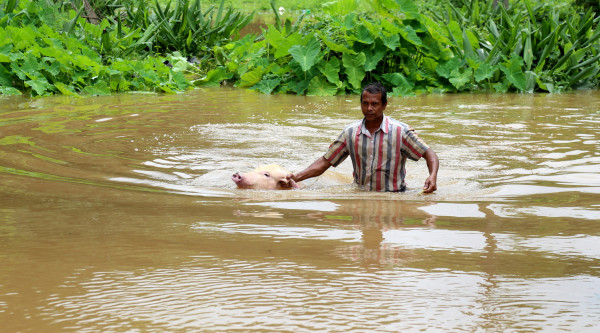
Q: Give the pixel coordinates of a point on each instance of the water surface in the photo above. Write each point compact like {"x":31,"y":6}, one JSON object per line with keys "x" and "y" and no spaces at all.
{"x":118,"y":214}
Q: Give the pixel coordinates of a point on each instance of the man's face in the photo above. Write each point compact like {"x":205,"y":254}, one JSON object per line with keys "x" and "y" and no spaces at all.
{"x":371,"y":106}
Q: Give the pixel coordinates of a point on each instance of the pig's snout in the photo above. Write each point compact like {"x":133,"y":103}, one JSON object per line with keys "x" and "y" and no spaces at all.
{"x":236,"y":177}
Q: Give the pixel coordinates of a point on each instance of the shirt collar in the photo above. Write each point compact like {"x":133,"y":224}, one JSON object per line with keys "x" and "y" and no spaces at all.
{"x":383,"y":126}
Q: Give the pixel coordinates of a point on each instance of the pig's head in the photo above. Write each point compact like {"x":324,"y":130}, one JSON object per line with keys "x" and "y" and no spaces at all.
{"x":267,"y":177}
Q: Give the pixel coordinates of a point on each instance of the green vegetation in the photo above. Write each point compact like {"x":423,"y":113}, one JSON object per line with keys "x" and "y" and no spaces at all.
{"x":265,"y":5}
{"x":477,"y":46}
{"x":332,"y":48}
{"x":47,"y":47}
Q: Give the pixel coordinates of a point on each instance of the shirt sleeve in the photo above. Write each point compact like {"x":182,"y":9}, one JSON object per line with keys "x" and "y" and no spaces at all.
{"x":338,"y":150}
{"x":413,"y":146}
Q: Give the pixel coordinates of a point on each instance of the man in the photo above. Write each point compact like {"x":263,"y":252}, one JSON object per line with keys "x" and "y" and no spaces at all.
{"x":378,"y":147}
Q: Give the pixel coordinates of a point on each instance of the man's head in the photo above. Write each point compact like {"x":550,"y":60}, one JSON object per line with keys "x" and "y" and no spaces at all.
{"x":373,"y":101}
{"x":375,"y":88}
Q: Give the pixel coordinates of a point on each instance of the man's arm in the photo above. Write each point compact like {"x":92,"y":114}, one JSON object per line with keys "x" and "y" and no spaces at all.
{"x":316,"y":169}
{"x":433,"y":164}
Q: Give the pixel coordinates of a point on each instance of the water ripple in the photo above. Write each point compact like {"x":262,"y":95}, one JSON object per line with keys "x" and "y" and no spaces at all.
{"x":236,"y":295}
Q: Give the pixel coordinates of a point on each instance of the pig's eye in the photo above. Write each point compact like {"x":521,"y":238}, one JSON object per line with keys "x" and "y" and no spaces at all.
{"x":267,"y":174}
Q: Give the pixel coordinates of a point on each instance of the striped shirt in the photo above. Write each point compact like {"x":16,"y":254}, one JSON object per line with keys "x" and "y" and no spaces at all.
{"x":378,"y":158}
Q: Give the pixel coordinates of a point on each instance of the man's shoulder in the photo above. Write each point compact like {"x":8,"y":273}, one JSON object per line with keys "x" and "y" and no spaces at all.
{"x":396,"y":123}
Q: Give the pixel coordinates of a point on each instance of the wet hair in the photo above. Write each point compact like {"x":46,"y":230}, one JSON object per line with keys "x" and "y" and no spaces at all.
{"x":375,"y":88}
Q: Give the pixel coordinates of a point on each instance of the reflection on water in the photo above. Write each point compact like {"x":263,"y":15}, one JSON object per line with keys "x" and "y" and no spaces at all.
{"x":118,"y":214}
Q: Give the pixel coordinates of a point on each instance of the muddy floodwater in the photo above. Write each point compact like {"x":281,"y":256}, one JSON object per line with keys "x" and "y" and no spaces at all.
{"x":118,"y":214}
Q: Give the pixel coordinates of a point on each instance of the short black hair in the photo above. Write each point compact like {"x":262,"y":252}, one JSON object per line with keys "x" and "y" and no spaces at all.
{"x":375,"y":88}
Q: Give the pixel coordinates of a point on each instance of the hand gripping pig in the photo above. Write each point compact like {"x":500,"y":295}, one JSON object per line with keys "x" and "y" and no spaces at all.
{"x":266,"y":177}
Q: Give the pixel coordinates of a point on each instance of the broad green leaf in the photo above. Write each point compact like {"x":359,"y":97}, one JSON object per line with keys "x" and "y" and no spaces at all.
{"x":409,"y":8}
{"x":251,"y":78}
{"x":31,"y":65}
{"x":373,"y":56}
{"x":267,"y":86}
{"x":374,"y":29}
{"x":180,"y":81}
{"x":166,"y":87}
{"x":399,"y":81}
{"x":336,"y":47}
{"x":354,"y":68}
{"x":51,"y":66}
{"x":15,"y":56}
{"x":65,"y":90}
{"x":390,"y":27}
{"x":364,"y":36}
{"x":446,"y":68}
{"x":547,"y":86}
{"x":435,"y":30}
{"x":9,"y":91}
{"x":460,"y":78}
{"x":148,"y":74}
{"x":5,"y":77}
{"x":514,"y":73}
{"x":280,"y":43}
{"x":273,"y":36}
{"x":179,"y":62}
{"x":86,"y":63}
{"x":5,"y":52}
{"x":339,"y":7}
{"x":472,"y":39}
{"x":121,"y":84}
{"x":81,"y":76}
{"x":473,"y":63}
{"x":501,"y":87}
{"x":306,"y":55}
{"x":467,"y":47}
{"x":331,"y":70}
{"x":383,"y":7}
{"x":402,"y":91}
{"x":98,"y":89}
{"x":350,"y":22}
{"x":485,"y":71}
{"x":530,"y":79}
{"x":319,"y":86}
{"x":4,"y":37}
{"x":455,"y":33}
{"x":40,"y":85}
{"x":24,"y":37}
{"x":123,"y":66}
{"x":435,"y":49}
{"x":410,"y":35}
{"x":429,"y":64}
{"x":299,"y":86}
{"x":278,"y":70}
{"x":391,"y":41}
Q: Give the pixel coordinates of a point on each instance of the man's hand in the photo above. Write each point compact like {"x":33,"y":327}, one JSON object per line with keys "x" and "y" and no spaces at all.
{"x":430,"y":184}
{"x":433,"y":165}
{"x":290,"y":177}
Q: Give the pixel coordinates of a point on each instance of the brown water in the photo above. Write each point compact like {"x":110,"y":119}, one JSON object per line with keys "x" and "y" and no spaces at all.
{"x":118,"y":214}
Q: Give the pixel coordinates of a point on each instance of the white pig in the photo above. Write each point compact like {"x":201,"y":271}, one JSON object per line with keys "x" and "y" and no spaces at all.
{"x":266,"y":177}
